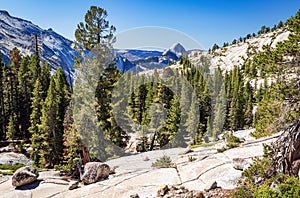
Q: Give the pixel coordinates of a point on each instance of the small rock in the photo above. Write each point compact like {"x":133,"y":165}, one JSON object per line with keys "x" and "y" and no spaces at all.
{"x":213,"y":186}
{"x":146,"y":158}
{"x":134,"y":196}
{"x":66,"y":178}
{"x":239,"y":163}
{"x":24,"y":175}
{"x":180,"y":191}
{"x":113,"y":170}
{"x":199,"y":195}
{"x":258,"y":180}
{"x":94,"y":172}
{"x":163,"y":190}
{"x":274,"y":186}
{"x":73,"y":185}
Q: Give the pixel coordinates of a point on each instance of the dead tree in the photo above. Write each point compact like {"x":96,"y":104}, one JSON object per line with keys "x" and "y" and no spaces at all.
{"x":286,"y":148}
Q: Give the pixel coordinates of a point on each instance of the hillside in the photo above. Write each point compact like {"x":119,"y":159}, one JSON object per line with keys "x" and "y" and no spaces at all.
{"x":235,"y":55}
{"x":53,"y":48}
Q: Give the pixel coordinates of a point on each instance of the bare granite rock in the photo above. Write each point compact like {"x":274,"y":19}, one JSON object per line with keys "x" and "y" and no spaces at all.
{"x":24,"y":175}
{"x":94,"y":172}
{"x":12,"y":158}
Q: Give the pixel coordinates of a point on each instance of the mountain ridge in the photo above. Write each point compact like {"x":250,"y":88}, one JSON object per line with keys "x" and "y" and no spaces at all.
{"x":53,"y":48}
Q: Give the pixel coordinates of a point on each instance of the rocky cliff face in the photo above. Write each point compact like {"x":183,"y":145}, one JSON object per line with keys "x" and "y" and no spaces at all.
{"x":53,"y":48}
{"x":235,"y":55}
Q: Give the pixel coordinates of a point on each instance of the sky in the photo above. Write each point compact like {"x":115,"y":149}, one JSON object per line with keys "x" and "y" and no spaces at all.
{"x":158,"y":23}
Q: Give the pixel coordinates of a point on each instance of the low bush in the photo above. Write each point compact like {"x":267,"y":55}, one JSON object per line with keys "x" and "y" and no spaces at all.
{"x":163,"y":162}
{"x":12,"y":167}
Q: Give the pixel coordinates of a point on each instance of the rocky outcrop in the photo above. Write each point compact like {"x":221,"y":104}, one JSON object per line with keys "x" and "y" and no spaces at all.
{"x":24,"y":175}
{"x":12,"y":158}
{"x":135,"y":177}
{"x":94,"y":172}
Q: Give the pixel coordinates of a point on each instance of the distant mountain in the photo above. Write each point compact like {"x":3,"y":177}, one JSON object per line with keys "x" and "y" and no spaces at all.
{"x":53,"y":48}
{"x":227,"y":57}
{"x":58,"y":51}
{"x":143,"y":60}
{"x":175,"y":51}
{"x":133,"y":55}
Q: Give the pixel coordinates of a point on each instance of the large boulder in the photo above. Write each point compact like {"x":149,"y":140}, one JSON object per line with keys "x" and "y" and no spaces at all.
{"x":94,"y":172}
{"x":14,"y":158}
{"x":24,"y":175}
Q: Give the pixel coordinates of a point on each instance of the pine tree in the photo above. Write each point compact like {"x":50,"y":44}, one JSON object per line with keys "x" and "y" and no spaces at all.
{"x":11,"y":128}
{"x":24,"y":89}
{"x":10,"y":90}
{"x":280,"y":24}
{"x":37,"y":137}
{"x":248,"y":108}
{"x":62,"y":99}
{"x":236,"y":118}
{"x":220,"y":112}
{"x":2,"y":110}
{"x":185,"y":101}
{"x":208,"y":128}
{"x":119,"y":102}
{"x":215,"y":47}
{"x":35,"y":68}
{"x":45,"y":78}
{"x":192,"y":121}
{"x":171,"y":126}
{"x":95,"y":29}
{"x":49,"y":132}
{"x":72,"y":141}
{"x":104,"y":90}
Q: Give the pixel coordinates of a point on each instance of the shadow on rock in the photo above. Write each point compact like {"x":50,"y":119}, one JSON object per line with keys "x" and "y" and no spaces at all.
{"x":30,"y":186}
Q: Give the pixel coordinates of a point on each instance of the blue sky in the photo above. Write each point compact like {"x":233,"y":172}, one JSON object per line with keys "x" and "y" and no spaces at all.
{"x":206,"y":21}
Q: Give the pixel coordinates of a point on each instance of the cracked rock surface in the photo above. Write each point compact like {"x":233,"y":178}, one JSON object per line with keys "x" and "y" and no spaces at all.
{"x":134,"y":175}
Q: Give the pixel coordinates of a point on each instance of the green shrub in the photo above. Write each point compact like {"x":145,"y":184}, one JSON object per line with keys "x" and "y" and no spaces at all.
{"x":195,"y":146}
{"x":260,"y":167}
{"x":13,"y":167}
{"x":290,"y":188}
{"x":265,"y":191}
{"x":6,"y":173}
{"x":191,"y":158}
{"x":221,"y":150}
{"x":163,"y":162}
{"x":233,"y":142}
{"x":242,"y":192}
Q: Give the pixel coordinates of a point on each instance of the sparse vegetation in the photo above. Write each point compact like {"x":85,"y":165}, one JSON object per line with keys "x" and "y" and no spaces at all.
{"x":9,"y":170}
{"x":191,"y":158}
{"x":233,"y":142}
{"x":221,"y":150}
{"x":163,"y":162}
